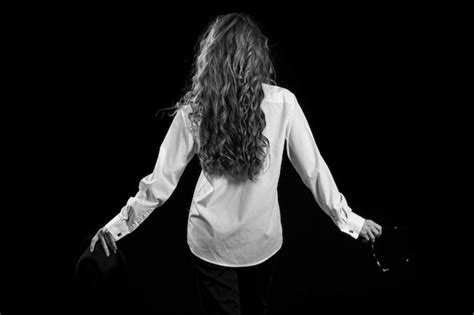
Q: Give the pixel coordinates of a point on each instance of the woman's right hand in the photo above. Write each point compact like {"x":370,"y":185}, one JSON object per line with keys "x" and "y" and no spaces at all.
{"x":105,"y":238}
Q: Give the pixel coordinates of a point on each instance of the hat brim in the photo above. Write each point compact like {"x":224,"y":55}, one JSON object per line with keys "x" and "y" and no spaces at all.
{"x":95,"y":269}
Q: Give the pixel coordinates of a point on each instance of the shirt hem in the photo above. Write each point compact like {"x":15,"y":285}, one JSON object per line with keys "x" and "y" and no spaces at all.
{"x":236,"y":266}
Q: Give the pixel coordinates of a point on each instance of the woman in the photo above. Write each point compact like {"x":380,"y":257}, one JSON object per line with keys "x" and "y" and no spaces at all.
{"x":237,"y":120}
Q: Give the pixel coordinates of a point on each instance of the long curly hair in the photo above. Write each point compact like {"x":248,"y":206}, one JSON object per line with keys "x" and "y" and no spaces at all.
{"x":232,"y":62}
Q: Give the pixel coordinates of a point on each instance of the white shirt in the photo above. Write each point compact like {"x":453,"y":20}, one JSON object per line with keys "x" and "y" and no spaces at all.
{"x":238,"y":224}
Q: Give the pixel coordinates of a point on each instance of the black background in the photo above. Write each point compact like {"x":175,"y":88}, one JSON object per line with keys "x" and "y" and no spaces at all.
{"x":87,"y":83}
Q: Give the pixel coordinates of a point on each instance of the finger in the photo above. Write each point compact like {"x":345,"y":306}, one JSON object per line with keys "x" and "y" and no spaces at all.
{"x":364,"y":238}
{"x":104,"y":245}
{"x":92,"y":246}
{"x":377,"y":227}
{"x":375,"y":232}
{"x":111,"y":241}
{"x":371,"y":235}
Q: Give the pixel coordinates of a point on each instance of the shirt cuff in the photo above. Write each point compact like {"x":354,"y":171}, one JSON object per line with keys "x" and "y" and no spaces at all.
{"x":353,"y":224}
{"x":117,"y":227}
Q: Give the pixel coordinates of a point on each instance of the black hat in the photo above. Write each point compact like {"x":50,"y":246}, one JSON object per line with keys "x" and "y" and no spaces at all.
{"x":96,"y":270}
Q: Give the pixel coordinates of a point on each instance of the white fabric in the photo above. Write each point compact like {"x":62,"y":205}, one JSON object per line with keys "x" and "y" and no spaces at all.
{"x":232,"y":224}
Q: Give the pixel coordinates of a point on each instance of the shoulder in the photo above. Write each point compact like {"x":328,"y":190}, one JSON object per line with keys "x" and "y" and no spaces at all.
{"x":186,"y":109}
{"x":278,"y":94}
{"x":181,"y":116}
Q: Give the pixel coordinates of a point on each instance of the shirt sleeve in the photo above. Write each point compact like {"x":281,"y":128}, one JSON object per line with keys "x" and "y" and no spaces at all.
{"x":175,"y":152}
{"x":307,"y":160}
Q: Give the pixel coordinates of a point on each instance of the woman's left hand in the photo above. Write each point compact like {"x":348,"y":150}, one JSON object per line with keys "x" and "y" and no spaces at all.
{"x":370,"y":231}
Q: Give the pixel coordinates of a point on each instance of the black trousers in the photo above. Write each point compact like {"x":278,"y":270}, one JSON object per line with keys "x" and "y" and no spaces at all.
{"x":234,"y":290}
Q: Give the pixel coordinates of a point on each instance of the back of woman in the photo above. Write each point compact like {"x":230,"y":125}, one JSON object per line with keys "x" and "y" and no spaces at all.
{"x":238,"y":122}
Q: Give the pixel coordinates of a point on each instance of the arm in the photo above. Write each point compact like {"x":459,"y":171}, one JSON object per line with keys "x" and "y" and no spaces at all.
{"x":175,"y":152}
{"x":305,"y":157}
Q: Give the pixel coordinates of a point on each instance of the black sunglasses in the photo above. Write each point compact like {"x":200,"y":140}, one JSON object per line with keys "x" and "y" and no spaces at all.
{"x":394,"y":233}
